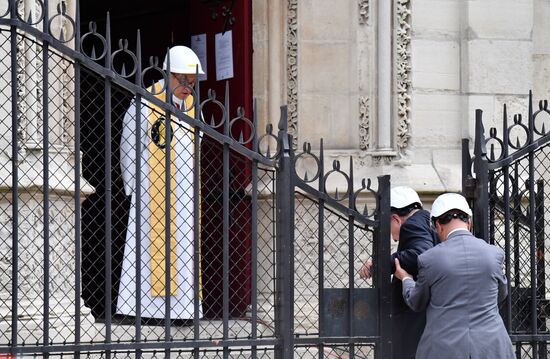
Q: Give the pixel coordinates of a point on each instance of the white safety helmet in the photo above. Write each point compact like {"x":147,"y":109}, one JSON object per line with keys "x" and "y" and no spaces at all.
{"x":449,"y":201}
{"x":182,"y":61}
{"x":403,"y":196}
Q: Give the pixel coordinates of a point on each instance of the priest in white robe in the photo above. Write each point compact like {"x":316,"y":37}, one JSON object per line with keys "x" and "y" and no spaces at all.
{"x":154,"y":291}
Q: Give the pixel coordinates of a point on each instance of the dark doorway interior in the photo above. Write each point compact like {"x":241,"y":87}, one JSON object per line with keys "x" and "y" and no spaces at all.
{"x":160,"y":26}
{"x":164,"y":24}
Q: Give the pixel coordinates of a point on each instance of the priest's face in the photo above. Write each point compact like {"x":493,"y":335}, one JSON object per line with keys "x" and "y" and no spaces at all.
{"x":181,"y":84}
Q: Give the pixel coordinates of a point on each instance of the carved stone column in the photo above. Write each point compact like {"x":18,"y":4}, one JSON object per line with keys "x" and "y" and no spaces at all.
{"x":365,"y":71}
{"x":276,"y":58}
{"x":541,"y":49}
{"x":384,"y":141}
{"x":292,"y":68}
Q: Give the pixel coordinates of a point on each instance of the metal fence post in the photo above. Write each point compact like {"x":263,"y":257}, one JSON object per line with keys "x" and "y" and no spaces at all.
{"x":382,"y":269}
{"x":284,"y":192}
{"x":476,"y":189}
{"x":481,"y":191}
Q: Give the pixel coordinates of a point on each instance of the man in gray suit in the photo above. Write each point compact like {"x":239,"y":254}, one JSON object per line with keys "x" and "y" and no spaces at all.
{"x":460,"y":283}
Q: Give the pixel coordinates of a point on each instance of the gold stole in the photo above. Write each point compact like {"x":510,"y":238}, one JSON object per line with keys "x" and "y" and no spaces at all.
{"x":157,"y":193}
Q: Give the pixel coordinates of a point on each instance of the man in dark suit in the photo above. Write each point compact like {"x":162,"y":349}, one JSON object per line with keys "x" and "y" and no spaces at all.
{"x":460,"y":283}
{"x":410,"y":226}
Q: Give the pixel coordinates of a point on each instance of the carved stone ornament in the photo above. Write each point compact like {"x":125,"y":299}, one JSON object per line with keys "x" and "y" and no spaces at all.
{"x":364,"y":123}
{"x":21,"y":79}
{"x":382,"y":160}
{"x":292,"y":69}
{"x":403,"y":75}
{"x":363,"y":11}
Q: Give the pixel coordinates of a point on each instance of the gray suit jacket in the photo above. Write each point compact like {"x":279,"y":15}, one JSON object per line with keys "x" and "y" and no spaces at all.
{"x":460,"y":283}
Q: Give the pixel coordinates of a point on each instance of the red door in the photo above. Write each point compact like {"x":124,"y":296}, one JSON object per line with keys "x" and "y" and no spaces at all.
{"x":211,"y":18}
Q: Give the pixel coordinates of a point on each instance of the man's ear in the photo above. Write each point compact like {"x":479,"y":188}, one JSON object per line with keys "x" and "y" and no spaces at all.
{"x":396,"y":217}
{"x":438,"y":228}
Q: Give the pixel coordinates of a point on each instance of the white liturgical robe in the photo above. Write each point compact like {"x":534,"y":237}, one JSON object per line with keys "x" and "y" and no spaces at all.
{"x":182,"y":296}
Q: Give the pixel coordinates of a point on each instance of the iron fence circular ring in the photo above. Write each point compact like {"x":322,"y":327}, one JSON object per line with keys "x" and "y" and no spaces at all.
{"x":336,"y":169}
{"x":245,"y":120}
{"x":277,"y":150}
{"x":93,"y":32}
{"x":40,"y":18}
{"x":517,"y":124}
{"x":367,"y":189}
{"x":123,"y":48}
{"x":302,"y":155}
{"x":493,"y":137}
{"x":543,"y":108}
{"x":8,"y":10}
{"x":62,"y":12}
{"x":152,"y":91}
{"x":212,"y":99}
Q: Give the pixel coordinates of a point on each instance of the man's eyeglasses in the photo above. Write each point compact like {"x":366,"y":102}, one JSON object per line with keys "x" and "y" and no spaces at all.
{"x":185,"y":80}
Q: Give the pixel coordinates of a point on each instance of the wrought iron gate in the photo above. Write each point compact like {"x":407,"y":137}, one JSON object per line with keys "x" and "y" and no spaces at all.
{"x":510,"y":197}
{"x":259,"y":225}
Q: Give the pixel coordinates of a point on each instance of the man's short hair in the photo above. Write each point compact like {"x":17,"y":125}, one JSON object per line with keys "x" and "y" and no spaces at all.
{"x":402,"y":212}
{"x":447,"y":217}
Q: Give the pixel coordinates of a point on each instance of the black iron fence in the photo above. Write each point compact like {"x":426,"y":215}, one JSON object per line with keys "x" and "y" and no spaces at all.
{"x":121,"y":236}
{"x":511,"y":206}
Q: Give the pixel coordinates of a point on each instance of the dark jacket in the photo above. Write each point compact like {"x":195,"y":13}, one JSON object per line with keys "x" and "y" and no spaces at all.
{"x":415,"y":237}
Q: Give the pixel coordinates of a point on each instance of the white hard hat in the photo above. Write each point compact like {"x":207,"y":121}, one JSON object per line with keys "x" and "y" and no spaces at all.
{"x":448,"y":201}
{"x":182,"y":61}
{"x":403,"y":196}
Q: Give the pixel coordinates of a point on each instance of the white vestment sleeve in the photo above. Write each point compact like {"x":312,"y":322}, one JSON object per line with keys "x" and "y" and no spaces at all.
{"x":128,"y":147}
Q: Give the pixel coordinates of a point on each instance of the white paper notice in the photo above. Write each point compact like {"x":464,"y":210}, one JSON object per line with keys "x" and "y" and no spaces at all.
{"x":224,"y":56}
{"x":198,"y":44}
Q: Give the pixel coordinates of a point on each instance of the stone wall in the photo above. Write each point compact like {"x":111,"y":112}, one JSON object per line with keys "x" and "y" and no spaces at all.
{"x":449,"y":57}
